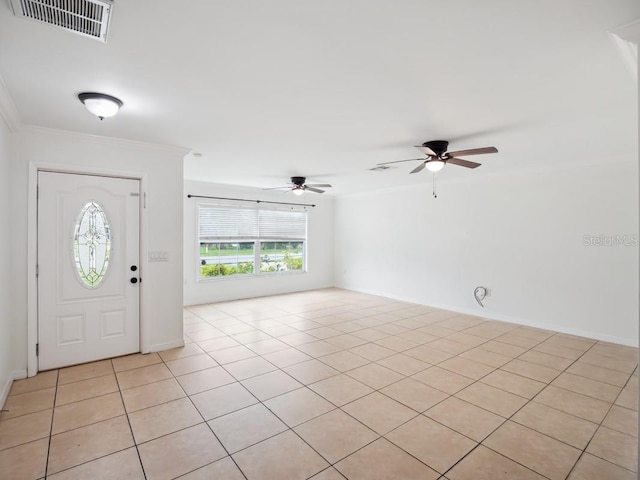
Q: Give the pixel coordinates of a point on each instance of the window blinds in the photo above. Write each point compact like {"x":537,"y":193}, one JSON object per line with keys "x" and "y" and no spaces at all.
{"x":282,"y":224}
{"x":218,"y":222}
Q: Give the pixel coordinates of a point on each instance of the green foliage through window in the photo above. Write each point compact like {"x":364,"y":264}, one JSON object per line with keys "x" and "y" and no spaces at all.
{"x":220,"y":269}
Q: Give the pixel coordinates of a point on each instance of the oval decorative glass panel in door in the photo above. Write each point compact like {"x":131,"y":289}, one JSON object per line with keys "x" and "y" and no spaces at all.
{"x":92,"y":244}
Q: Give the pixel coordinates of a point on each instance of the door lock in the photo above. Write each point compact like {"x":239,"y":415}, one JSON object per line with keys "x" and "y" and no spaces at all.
{"x":133,"y":268}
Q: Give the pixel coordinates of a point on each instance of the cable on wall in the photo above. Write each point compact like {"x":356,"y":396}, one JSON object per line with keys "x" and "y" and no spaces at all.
{"x":480,"y":293}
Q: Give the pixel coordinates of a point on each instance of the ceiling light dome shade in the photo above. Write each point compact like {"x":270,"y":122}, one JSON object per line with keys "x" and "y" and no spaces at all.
{"x":101,"y":105}
{"x":298,"y":191}
{"x":435,"y":165}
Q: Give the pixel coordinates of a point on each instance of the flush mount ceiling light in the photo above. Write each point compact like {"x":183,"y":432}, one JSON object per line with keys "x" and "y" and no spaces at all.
{"x":101,"y":105}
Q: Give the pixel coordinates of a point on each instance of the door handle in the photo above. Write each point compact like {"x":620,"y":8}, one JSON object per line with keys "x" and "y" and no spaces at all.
{"x":134,"y":280}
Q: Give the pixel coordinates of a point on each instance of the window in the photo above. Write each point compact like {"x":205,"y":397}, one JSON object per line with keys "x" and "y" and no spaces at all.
{"x":91,"y":245}
{"x":238,"y":240}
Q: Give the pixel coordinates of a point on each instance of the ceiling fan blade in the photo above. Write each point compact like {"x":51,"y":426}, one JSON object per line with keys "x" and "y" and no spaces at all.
{"x":473,"y":151}
{"x":419,"y":168}
{"x":316,"y":190}
{"x":399,"y":161}
{"x":278,"y":188}
{"x":321,"y":185}
{"x":426,"y":150}
{"x":463,"y":163}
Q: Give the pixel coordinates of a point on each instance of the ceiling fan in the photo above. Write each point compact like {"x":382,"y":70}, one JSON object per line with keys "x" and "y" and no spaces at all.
{"x":438,"y":157}
{"x":298,"y":187}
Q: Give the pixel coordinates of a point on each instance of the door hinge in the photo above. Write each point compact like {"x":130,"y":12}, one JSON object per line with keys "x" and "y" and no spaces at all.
{"x":37,"y":349}
{"x":37,"y":270}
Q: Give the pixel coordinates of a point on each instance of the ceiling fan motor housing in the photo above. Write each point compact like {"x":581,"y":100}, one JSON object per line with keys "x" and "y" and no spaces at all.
{"x":439,"y":147}
{"x":298,"y":181}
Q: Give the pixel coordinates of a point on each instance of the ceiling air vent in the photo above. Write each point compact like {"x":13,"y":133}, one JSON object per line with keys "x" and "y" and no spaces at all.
{"x":380,"y":168}
{"x":86,"y":17}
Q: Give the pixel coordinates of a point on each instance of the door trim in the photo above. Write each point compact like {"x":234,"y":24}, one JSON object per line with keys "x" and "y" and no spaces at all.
{"x":32,"y":249}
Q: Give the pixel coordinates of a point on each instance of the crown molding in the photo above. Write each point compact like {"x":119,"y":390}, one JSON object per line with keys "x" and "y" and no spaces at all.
{"x":97,"y":139}
{"x":629,"y":32}
{"x":8,"y":110}
{"x":626,"y":38}
{"x":9,"y":113}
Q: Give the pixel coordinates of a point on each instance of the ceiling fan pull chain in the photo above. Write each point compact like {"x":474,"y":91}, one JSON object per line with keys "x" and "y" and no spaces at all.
{"x":434,"y":186}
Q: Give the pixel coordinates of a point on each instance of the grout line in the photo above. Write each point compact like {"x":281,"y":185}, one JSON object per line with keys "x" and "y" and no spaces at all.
{"x":53,"y":413}
{"x":82,"y":426}
{"x":133,"y":437}
{"x":504,"y":456}
{"x":204,"y":420}
{"x":584,"y":451}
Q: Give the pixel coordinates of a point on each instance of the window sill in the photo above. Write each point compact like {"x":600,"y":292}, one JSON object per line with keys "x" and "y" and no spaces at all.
{"x":221,"y":278}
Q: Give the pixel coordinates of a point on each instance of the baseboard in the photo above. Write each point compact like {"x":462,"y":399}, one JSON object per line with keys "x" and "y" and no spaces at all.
{"x":6,"y":388}
{"x":555,"y":328}
{"x":166,"y":346}
{"x":194,"y":301}
{"x":509,"y":319}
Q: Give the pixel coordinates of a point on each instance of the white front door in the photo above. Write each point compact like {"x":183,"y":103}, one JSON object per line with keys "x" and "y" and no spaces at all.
{"x":88,"y":268}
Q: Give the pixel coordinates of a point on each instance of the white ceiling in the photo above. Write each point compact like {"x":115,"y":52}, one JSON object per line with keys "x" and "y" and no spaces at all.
{"x":269,"y":89}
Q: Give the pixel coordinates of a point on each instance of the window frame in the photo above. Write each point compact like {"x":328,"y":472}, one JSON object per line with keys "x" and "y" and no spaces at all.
{"x":256,"y":240}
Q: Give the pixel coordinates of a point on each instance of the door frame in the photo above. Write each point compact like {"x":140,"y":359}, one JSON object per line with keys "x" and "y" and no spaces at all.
{"x":32,"y":248}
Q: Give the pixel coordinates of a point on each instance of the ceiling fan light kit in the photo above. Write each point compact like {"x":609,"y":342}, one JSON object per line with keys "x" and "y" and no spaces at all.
{"x":434,"y":165}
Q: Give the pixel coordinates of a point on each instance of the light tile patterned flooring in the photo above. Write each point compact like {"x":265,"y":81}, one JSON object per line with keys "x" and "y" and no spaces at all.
{"x":332,"y":384}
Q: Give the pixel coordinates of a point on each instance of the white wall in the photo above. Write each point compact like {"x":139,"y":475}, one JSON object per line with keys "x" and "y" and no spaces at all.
{"x":520,"y":235}
{"x":7,"y":363}
{"x":319,"y":249}
{"x":161,"y":170}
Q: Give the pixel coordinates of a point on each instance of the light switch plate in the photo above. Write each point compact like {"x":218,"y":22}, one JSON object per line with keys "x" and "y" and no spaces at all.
{"x":158,"y":256}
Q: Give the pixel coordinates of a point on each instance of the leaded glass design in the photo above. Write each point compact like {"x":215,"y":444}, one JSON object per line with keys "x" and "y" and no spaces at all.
{"x":92,"y":244}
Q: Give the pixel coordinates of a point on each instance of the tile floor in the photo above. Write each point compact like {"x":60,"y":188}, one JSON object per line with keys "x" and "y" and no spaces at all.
{"x":332,"y":384}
